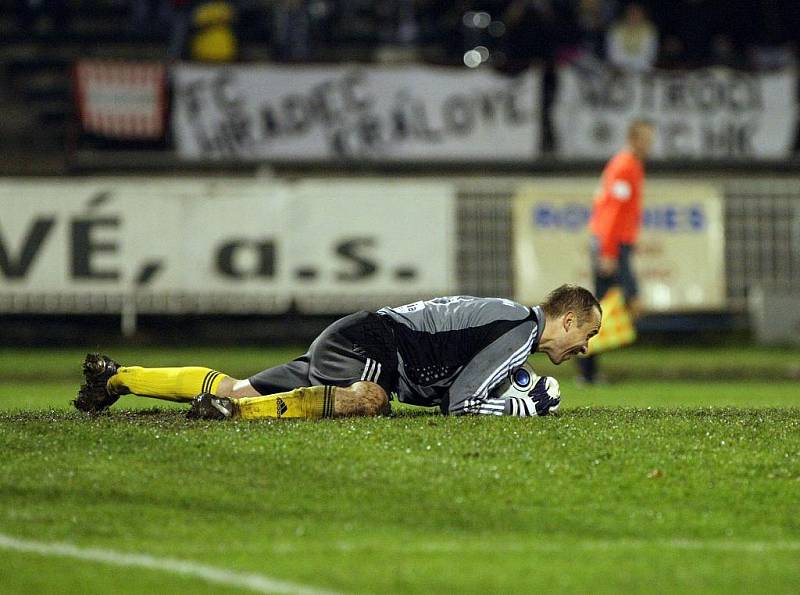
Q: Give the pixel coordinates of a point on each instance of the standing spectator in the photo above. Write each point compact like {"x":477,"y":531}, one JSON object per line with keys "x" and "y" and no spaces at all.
{"x":531,"y":38}
{"x":294,"y":29}
{"x":724,"y":52}
{"x":615,"y":222}
{"x":686,"y":28}
{"x":593,"y":19}
{"x":43,"y":17}
{"x":179,"y":15}
{"x":398,"y":31}
{"x":146,"y":18}
{"x":213,"y":35}
{"x":771,"y":47}
{"x":159,"y":19}
{"x":584,"y":28}
{"x":531,"y":32}
{"x":632,"y":42}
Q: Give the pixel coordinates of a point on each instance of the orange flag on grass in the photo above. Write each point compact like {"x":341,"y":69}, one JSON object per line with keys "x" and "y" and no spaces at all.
{"x":617,"y":329}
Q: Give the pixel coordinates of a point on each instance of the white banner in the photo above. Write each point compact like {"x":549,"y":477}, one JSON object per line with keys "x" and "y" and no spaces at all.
{"x":700,"y":114}
{"x":223,"y":245}
{"x":408,"y":113}
{"x":679,"y":259}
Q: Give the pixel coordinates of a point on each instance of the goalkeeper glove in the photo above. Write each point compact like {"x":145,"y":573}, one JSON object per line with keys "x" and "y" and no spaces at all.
{"x":546,"y":395}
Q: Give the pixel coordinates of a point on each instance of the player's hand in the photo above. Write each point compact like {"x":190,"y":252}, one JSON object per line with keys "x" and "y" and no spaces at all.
{"x":546,"y":395}
{"x":608,"y":266}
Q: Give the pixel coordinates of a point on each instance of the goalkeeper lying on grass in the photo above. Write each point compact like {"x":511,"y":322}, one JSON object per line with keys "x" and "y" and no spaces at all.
{"x":453,"y":352}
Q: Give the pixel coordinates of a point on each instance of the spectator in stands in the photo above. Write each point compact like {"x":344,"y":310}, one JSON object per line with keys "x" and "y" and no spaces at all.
{"x":632,"y":42}
{"x":179,"y":15}
{"x":583,"y":31}
{"x":699,"y":33}
{"x":593,"y":19}
{"x":293,"y":37}
{"x":163,"y":18}
{"x":686,"y":28}
{"x":43,"y":17}
{"x":398,"y":30}
{"x":441,"y":32}
{"x":771,"y":47}
{"x":724,"y":52}
{"x":146,"y":17}
{"x":213,"y":37}
{"x":531,"y":32}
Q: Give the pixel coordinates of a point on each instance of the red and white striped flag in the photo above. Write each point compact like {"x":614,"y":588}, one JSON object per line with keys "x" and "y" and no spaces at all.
{"x":121,"y":100}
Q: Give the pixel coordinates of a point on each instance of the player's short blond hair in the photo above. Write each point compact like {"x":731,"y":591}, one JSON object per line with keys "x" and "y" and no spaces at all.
{"x":637,"y":124}
{"x":571,"y":297}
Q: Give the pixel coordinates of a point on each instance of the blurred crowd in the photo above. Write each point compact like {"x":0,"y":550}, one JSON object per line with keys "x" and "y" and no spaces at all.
{"x":506,"y":34}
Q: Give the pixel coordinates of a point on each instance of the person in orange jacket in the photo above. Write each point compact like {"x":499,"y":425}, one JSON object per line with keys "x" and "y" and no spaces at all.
{"x":615,"y":222}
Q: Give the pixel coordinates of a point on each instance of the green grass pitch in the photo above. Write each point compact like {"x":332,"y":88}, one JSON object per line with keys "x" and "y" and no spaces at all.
{"x":682,"y":475}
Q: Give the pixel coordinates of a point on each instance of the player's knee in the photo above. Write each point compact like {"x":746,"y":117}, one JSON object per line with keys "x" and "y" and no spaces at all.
{"x":372,"y":398}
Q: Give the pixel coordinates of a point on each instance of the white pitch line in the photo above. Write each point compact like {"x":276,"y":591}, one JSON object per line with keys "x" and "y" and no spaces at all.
{"x":250,"y":581}
{"x":696,"y":544}
{"x":595,"y":544}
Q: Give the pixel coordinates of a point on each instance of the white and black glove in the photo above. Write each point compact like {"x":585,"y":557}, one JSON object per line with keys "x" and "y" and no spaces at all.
{"x":546,"y":395}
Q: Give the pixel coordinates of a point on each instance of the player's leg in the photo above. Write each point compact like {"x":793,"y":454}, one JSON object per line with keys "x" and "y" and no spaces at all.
{"x":106,"y":380}
{"x":281,"y":391}
{"x":235,"y":399}
{"x":342,"y":374}
{"x":358,"y":352}
{"x":628,"y":282}
{"x":170,"y":384}
{"x":278,"y":379}
{"x":308,"y":402}
{"x":348,"y":371}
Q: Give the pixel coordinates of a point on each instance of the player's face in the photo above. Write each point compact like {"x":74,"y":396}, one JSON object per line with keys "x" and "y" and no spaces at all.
{"x":574,"y":339}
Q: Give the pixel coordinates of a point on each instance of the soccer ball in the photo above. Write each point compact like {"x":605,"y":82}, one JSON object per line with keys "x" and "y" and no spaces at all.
{"x":518,"y":383}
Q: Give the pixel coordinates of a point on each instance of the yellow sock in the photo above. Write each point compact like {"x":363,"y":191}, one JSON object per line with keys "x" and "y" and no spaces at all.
{"x":172,"y":384}
{"x":310,"y":402}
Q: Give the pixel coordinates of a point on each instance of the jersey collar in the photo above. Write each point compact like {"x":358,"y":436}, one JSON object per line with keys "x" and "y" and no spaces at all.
{"x":538,"y":316}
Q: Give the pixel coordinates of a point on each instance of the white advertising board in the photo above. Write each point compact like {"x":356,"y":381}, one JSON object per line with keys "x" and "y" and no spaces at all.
{"x":223,"y":245}
{"x":679,"y":258}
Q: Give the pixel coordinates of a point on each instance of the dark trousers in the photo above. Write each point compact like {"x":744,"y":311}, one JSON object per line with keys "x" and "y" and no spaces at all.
{"x":624,"y":278}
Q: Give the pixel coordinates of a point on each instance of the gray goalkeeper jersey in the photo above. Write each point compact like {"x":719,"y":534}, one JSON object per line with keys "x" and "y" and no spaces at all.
{"x":453,"y":350}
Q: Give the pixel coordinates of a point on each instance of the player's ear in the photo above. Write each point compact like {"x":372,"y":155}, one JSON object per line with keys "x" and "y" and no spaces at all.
{"x":569,"y":320}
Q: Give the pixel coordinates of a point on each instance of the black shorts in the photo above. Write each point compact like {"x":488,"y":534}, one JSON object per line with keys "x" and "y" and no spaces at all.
{"x":360,"y":346}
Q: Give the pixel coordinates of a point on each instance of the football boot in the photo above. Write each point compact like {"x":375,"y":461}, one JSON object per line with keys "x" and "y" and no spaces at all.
{"x":208,"y":406}
{"x":94,"y":396}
